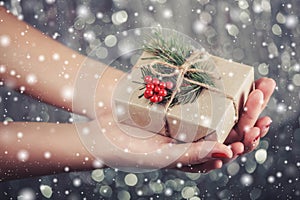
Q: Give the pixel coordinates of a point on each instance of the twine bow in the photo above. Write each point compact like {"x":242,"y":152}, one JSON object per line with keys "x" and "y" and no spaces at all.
{"x":196,"y":57}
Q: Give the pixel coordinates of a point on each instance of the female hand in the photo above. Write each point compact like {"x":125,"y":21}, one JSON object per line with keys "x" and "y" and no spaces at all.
{"x":148,"y":150}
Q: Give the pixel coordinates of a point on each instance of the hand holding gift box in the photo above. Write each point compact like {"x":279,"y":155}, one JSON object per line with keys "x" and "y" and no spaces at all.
{"x":115,"y":147}
{"x":203,"y":96}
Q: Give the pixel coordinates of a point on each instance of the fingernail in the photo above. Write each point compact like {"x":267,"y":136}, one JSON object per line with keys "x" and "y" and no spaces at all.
{"x":268,"y":125}
{"x":219,"y":155}
{"x":255,"y":139}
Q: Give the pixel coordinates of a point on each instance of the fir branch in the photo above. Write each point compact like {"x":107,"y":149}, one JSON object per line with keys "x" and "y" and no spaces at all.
{"x":173,"y":50}
{"x":187,"y":94}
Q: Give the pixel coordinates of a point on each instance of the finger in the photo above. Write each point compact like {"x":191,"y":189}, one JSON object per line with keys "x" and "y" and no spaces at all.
{"x":251,"y":139}
{"x":251,"y":112}
{"x":198,"y":152}
{"x":237,"y":150}
{"x":203,"y":168}
{"x":264,"y":125}
{"x":267,"y":86}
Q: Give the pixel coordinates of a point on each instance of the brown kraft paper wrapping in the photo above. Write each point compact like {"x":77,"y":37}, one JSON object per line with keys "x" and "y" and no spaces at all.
{"x":211,"y":116}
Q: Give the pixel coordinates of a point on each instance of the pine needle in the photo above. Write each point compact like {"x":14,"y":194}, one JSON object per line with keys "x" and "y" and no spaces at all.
{"x":173,"y":50}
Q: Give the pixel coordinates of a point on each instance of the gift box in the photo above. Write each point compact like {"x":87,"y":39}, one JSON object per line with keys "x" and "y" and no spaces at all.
{"x":212,"y":113}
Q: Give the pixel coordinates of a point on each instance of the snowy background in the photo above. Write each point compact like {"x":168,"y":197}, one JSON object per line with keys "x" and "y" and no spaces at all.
{"x":261,"y":33}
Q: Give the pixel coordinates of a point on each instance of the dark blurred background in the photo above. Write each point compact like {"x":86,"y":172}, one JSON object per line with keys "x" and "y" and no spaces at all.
{"x":261,"y":33}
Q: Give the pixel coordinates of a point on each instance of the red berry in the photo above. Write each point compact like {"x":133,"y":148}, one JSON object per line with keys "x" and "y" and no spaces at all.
{"x":157,"y":89}
{"x":155,"y":81}
{"x":148,"y":79}
{"x":150,"y":86}
{"x":169,"y":85}
{"x":160,"y":98}
{"x":162,"y":93}
{"x":154,"y":99}
{"x":162,"y":85}
{"x":148,"y":94}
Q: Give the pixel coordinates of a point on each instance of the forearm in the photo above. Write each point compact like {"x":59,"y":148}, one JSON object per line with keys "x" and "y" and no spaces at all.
{"x":33,"y":149}
{"x":42,"y":66}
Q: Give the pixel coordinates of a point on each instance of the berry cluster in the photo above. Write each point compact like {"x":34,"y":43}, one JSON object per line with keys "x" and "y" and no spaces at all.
{"x":156,"y":90}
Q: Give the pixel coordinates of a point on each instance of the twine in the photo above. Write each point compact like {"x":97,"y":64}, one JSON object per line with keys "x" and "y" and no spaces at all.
{"x":180,"y":71}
